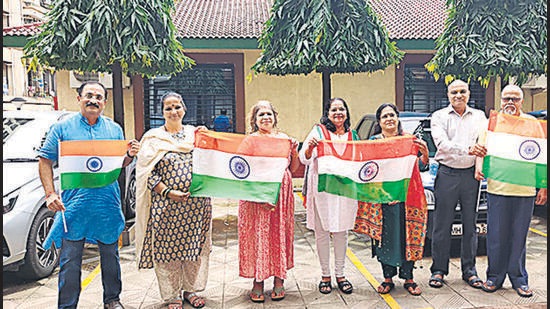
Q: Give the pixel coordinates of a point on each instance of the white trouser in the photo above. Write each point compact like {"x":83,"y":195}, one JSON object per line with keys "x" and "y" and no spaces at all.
{"x":340,"y":243}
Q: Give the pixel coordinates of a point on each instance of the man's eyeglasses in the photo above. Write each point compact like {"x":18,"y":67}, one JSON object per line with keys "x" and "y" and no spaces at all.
{"x":89,"y":96}
{"x":513,"y":99}
{"x":462,"y":91}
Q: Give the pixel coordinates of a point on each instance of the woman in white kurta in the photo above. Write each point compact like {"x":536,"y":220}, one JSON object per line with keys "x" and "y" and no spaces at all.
{"x":328,"y":213}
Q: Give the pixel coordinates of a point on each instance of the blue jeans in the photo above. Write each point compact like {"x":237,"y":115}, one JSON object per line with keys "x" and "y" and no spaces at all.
{"x":70,"y":264}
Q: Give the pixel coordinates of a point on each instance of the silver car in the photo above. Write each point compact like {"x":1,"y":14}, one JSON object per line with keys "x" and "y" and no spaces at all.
{"x":26,"y":220}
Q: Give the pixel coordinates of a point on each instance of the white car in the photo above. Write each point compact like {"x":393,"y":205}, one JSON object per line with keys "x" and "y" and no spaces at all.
{"x":26,"y":220}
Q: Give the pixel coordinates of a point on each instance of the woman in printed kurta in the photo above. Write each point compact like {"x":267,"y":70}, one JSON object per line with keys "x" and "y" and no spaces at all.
{"x":397,"y":231}
{"x":173,"y":230}
{"x":327,"y":213}
{"x":266,"y":231}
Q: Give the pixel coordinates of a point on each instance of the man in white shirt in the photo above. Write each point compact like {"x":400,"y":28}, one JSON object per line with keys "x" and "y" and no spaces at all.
{"x":455,"y":130}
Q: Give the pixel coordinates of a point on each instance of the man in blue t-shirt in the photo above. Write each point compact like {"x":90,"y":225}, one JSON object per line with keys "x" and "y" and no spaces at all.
{"x":222,"y":123}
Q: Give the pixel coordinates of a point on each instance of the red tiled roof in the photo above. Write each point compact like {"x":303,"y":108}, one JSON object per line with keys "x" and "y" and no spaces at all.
{"x":24,"y":30}
{"x":229,"y":19}
{"x":237,"y":19}
{"x":412,"y":19}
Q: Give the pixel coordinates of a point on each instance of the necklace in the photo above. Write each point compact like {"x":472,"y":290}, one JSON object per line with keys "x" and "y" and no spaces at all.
{"x":180,"y":135}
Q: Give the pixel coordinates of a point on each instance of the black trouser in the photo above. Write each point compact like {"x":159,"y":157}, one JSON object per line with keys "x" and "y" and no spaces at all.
{"x":451,"y":186}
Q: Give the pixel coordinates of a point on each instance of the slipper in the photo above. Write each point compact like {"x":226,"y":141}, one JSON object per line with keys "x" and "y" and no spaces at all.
{"x":257,"y":294}
{"x":383,"y":288}
{"x":194,"y":300}
{"x":524,"y":291}
{"x":325,"y":287}
{"x":411,"y":288}
{"x":436,"y":280}
{"x":474,"y":282}
{"x":278,"y":293}
{"x":345,"y":286}
{"x":175,"y":304}
{"x":489,"y":286}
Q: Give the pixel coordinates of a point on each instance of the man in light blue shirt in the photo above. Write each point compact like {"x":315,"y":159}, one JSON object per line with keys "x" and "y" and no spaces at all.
{"x":91,"y":214}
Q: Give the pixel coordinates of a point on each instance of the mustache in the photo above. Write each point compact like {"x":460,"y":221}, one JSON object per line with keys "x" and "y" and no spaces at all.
{"x":92,"y":104}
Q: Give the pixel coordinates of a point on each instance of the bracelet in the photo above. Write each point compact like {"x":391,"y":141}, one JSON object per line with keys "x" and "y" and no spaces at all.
{"x":128,"y":155}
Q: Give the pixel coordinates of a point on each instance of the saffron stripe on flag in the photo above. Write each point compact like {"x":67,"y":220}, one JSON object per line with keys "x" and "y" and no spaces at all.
{"x":393,"y":147}
{"x":93,"y":147}
{"x":500,"y":122}
{"x":260,"y":146}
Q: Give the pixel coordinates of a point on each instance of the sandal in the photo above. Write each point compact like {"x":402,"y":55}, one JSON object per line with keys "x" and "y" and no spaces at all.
{"x":257,"y":294}
{"x":175,"y":304}
{"x":436,"y":280}
{"x":194,"y":300}
{"x":474,"y":282}
{"x":278,"y":293}
{"x":489,"y":286}
{"x":411,"y":287}
{"x":325,"y":287}
{"x":524,"y":291}
{"x":385,"y":287}
{"x":344,"y":285}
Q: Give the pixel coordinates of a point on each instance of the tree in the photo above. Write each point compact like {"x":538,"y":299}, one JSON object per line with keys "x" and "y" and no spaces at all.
{"x":114,"y":36}
{"x":334,"y":36}
{"x":483,"y":39}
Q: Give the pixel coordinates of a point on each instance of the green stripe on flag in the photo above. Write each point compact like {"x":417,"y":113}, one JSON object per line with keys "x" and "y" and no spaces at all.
{"x":257,"y":191}
{"x":88,"y":180}
{"x":515,"y":172}
{"x":374,"y":192}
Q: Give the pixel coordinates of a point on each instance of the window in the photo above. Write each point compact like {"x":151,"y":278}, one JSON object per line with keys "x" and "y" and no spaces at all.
{"x":424,"y":94}
{"x":206,"y":90}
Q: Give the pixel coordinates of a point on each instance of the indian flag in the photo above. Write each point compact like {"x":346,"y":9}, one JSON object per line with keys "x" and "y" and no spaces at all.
{"x":516,"y":150}
{"x":377,"y":171}
{"x":91,"y":163}
{"x":239,"y":166}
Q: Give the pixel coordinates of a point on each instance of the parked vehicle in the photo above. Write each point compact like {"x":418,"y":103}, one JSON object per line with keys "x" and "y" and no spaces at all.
{"x":26,"y":220}
{"x":419,"y":125}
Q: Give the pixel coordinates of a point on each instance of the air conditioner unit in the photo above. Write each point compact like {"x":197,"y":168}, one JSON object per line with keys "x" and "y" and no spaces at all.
{"x":76,"y":79}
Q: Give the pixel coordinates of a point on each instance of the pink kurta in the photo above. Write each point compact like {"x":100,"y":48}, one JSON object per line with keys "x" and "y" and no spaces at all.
{"x":266,"y":237}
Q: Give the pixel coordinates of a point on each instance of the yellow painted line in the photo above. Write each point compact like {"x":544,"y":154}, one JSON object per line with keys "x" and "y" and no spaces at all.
{"x":370,"y":278}
{"x":96,"y":270}
{"x":90,"y":277}
{"x":537,"y":232}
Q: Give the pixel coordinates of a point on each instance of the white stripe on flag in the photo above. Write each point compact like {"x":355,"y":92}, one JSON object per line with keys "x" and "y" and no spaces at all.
{"x":216,"y":163}
{"x":507,"y":146}
{"x":389,"y":169}
{"x":89,"y":164}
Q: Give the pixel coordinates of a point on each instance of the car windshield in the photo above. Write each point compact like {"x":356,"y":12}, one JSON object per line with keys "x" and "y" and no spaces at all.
{"x":22,"y":137}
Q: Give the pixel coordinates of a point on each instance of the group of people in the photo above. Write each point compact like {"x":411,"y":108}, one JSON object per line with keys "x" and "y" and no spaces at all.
{"x":173,"y":229}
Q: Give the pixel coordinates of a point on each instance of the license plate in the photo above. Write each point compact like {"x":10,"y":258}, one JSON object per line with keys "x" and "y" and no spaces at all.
{"x":481,"y":229}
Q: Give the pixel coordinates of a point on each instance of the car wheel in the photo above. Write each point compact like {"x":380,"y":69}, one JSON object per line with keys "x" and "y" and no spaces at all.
{"x":39,"y":262}
{"x":130,"y":199}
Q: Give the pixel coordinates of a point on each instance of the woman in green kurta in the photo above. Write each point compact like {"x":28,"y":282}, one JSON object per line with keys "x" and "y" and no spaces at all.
{"x":399,"y":244}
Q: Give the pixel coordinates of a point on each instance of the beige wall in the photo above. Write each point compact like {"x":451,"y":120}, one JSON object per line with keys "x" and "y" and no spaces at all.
{"x":66,"y":98}
{"x":298,"y":98}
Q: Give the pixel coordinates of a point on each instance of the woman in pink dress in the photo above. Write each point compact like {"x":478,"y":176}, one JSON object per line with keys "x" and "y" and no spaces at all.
{"x":266,"y":231}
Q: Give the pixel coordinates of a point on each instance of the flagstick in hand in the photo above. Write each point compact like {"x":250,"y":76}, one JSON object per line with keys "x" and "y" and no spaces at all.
{"x":64,"y":221}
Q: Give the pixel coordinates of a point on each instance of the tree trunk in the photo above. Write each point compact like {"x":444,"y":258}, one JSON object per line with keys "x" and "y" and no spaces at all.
{"x":326,"y":89}
{"x":118,"y":108}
